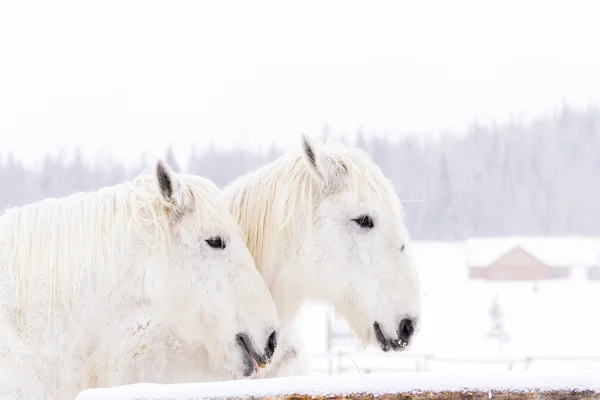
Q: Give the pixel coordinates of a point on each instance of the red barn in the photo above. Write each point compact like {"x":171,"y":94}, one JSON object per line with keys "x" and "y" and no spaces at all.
{"x":530,"y":258}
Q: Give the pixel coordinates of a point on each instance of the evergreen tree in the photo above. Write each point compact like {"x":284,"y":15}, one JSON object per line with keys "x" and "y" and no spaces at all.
{"x":497,"y":332}
{"x":170,"y":159}
{"x":505,"y":179}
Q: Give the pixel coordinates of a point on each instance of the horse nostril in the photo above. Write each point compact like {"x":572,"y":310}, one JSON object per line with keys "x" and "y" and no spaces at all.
{"x":406,"y":329}
{"x":271,"y":344}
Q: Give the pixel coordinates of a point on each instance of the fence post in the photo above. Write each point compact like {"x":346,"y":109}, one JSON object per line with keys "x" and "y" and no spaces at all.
{"x":329,"y":346}
{"x":528,"y":361}
{"x":426,"y":362}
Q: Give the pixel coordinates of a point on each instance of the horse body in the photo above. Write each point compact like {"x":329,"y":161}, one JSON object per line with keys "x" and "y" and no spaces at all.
{"x":161,"y":252}
{"x":325,"y":224}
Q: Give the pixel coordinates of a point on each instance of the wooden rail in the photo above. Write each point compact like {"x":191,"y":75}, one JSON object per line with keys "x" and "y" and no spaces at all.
{"x":423,"y":385}
{"x":370,"y":362}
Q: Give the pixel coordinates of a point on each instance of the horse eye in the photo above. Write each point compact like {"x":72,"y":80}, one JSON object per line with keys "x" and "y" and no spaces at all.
{"x":216,"y":242}
{"x":364,"y":221}
{"x":402,"y":248}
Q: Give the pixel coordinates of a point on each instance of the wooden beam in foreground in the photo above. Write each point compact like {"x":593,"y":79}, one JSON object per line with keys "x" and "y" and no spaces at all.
{"x":413,"y":386}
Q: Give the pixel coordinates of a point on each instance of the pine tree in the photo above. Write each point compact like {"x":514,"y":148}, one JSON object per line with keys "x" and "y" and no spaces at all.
{"x":361,"y":142}
{"x":170,"y":159}
{"x":497,"y":332}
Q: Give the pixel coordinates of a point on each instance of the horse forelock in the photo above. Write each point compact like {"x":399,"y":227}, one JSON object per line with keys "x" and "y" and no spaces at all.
{"x":274,"y":205}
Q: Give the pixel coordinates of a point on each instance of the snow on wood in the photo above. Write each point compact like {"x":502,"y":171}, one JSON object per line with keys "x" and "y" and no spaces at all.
{"x":421,"y":385}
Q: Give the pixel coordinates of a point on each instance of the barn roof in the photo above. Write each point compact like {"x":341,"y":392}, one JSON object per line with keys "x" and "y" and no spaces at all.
{"x":559,"y":251}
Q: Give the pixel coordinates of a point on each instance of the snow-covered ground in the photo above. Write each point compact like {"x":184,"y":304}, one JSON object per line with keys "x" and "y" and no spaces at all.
{"x":554,"y":323}
{"x":340,"y":385}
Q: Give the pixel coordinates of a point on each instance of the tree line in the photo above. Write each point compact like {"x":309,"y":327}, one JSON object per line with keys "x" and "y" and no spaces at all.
{"x":536,"y":178}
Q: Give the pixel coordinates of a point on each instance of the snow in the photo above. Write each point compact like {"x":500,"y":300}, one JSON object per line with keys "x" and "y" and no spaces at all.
{"x":440,"y":263}
{"x":342,"y":384}
{"x":554,"y":320}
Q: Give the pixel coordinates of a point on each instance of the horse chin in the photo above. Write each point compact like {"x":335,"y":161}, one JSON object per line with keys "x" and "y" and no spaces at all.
{"x":232,"y":367}
{"x":237,"y":375}
{"x":241,"y":371}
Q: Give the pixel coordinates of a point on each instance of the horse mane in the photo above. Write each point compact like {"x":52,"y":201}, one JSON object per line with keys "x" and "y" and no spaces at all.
{"x":274,"y":205}
{"x":57,"y":249}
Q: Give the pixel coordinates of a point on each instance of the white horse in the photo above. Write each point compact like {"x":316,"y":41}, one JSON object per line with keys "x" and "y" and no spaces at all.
{"x":324,"y":223}
{"x":160,"y":251}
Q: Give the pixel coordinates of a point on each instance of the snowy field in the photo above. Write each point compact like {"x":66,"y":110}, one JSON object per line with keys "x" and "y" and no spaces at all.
{"x":551,"y":325}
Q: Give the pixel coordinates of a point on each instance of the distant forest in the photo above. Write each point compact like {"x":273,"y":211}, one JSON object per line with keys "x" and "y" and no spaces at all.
{"x":536,"y":178}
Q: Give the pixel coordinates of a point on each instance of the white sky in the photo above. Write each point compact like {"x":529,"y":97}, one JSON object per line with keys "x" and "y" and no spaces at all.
{"x":133,"y":75}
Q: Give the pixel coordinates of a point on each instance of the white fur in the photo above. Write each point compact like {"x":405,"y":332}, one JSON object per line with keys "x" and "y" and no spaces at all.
{"x":297,"y":213}
{"x":75,"y":271}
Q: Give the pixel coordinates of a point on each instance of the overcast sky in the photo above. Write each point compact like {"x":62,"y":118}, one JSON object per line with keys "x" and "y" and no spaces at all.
{"x":132,"y":75}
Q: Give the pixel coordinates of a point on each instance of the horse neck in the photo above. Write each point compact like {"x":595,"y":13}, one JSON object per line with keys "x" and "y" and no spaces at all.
{"x":289,"y":285}
{"x":279,"y":266}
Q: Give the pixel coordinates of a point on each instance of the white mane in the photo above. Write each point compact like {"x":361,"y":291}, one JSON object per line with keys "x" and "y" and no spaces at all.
{"x":274,"y":204}
{"x":55,"y":250}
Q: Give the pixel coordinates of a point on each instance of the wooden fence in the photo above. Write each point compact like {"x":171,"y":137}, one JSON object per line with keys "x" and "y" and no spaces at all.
{"x":423,"y":385}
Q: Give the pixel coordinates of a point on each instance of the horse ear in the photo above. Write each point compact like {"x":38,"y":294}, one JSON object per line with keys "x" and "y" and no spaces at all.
{"x":322,"y":166}
{"x":313,"y":158}
{"x":171,"y":191}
